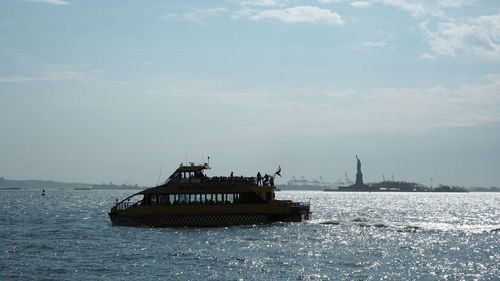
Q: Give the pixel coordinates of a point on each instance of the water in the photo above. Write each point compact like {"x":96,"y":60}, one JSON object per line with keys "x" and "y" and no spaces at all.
{"x":66,"y":235}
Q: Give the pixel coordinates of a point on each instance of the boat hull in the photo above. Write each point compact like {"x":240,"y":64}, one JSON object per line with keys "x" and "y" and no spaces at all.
{"x":202,"y":219}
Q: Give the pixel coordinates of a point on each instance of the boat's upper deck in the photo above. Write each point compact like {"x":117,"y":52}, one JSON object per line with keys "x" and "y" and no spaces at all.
{"x":191,"y":178}
{"x":188,"y":185}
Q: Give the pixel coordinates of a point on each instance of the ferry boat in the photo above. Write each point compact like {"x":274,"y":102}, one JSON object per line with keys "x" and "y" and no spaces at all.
{"x":190,"y":198}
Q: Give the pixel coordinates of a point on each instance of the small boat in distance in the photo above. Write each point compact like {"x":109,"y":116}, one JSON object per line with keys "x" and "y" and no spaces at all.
{"x":190,"y":198}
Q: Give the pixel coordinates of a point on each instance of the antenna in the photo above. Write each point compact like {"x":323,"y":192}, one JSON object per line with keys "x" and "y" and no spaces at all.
{"x":159,"y":175}
{"x":392,"y":175}
{"x":383,"y":177}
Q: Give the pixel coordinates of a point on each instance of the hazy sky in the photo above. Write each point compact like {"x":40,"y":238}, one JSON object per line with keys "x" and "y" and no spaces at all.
{"x":99,"y":91}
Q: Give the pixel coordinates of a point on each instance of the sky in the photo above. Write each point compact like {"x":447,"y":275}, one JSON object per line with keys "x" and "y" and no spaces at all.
{"x":124,"y":91}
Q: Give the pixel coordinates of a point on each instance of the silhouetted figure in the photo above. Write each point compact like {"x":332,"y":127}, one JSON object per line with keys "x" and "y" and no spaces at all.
{"x":266,"y":179}
{"x":259,"y":179}
{"x":43,"y":192}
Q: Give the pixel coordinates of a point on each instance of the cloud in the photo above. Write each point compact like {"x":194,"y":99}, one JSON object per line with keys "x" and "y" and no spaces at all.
{"x":307,"y":14}
{"x":373,"y":44}
{"x":467,"y":105}
{"x":55,"y":73}
{"x":262,"y":3}
{"x":243,"y":13}
{"x":422,"y":8}
{"x":198,"y":16}
{"x":386,"y":41}
{"x":51,"y":2}
{"x":402,"y":109}
{"x":427,"y":56}
{"x":477,"y":37}
{"x":455,"y":3}
{"x":415,"y":8}
{"x":361,"y":4}
{"x":45,"y":76}
{"x":315,"y":112}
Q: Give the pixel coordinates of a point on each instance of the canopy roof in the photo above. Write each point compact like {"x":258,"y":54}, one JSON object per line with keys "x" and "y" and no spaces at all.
{"x":192,"y":168}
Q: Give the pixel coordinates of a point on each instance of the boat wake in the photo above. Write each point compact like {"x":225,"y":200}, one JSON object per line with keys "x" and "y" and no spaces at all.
{"x":361,"y":222}
{"x":401,"y":227}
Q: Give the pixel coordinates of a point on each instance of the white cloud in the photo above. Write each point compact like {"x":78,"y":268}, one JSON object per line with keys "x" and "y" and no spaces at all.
{"x":262,"y":3}
{"x":45,"y":76}
{"x":455,"y":3}
{"x":405,"y":109}
{"x":372,"y":44}
{"x":476,"y":37}
{"x":467,"y":105}
{"x":243,"y":13}
{"x":51,"y":2}
{"x":422,"y":8}
{"x":328,"y":1}
{"x":427,"y":56}
{"x":386,"y":41}
{"x":198,"y":16}
{"x":361,"y":4}
{"x":299,"y":14}
{"x":55,"y":73}
{"x":415,"y":8}
{"x":318,"y":112}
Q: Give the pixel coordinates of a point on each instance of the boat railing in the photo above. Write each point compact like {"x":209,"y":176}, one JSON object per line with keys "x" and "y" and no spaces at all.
{"x":233,"y":179}
{"x":301,"y":207}
{"x":303,"y":204}
{"x":126,"y":204}
{"x":249,"y":180}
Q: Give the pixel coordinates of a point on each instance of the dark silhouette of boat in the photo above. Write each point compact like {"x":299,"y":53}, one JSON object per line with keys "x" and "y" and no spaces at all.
{"x":189,"y":198}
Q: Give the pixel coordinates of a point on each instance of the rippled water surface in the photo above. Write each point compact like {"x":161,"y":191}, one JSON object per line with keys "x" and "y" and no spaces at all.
{"x":66,"y":235}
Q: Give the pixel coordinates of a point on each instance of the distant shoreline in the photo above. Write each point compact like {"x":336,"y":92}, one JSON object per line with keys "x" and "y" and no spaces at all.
{"x":7,"y":184}
{"x":386,"y":186}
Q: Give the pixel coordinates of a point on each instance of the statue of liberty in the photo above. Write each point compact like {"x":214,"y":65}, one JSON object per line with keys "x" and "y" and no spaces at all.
{"x":359,"y":175}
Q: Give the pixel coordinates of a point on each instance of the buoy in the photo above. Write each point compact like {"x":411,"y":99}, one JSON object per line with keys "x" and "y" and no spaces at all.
{"x":43,"y":192}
